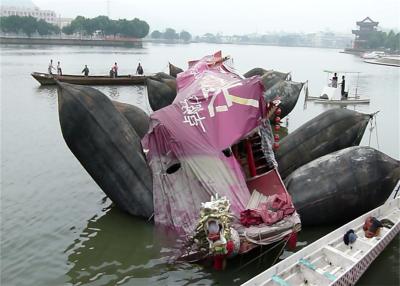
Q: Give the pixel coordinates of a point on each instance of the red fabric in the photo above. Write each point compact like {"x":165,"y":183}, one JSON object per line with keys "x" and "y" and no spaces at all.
{"x":292,"y":240}
{"x":230,"y":246}
{"x":276,"y":208}
{"x":250,"y":217}
{"x":213,"y":237}
{"x":219,"y":262}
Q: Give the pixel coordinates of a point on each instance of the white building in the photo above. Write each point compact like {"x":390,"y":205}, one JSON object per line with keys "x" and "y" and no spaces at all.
{"x":25,"y":8}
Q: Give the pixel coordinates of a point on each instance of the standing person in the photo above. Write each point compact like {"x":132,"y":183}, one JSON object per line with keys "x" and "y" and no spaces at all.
{"x":86,"y":70}
{"x":139,"y":70}
{"x":115,"y":68}
{"x":50,"y":67}
{"x":334,"y":80}
{"x":343,"y":85}
{"x":59,"y":71}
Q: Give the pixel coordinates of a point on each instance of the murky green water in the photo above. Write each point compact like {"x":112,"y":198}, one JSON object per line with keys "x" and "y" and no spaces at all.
{"x":57,"y":226}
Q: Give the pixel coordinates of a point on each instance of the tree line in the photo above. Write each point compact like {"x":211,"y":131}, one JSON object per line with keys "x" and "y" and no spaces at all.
{"x":27,"y":25}
{"x":379,"y":39}
{"x":100,"y":25}
{"x":171,"y":34}
{"x":104,"y":26}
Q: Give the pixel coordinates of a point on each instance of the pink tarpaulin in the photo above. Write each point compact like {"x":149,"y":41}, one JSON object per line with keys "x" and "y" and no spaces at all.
{"x":214,"y":109}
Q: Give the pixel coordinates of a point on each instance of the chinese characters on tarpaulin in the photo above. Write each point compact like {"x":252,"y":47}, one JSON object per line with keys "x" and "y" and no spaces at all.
{"x":214,"y":109}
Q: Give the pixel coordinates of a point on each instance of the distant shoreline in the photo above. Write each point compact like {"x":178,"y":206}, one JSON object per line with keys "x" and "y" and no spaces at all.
{"x":137,"y":43}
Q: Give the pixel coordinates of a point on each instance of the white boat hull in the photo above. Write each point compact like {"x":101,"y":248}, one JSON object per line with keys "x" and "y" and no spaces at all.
{"x":328,"y":261}
{"x":340,"y":101}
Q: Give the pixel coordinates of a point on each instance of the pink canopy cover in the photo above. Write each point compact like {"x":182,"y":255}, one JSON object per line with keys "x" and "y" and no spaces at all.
{"x":214,"y":108}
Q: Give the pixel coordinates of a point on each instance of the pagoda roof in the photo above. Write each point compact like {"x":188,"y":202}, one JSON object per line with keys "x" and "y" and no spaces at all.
{"x":367,"y":21}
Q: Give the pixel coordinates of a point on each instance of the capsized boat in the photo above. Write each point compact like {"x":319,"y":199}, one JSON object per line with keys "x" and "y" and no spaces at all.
{"x":194,"y":155}
{"x":342,"y":256}
{"x":340,"y":186}
{"x":174,"y":70}
{"x":50,"y":79}
{"x":330,"y":131}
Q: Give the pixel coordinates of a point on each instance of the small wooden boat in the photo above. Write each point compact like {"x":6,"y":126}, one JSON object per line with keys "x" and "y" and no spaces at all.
{"x":386,"y":61}
{"x":329,"y":261}
{"x":48,"y":79}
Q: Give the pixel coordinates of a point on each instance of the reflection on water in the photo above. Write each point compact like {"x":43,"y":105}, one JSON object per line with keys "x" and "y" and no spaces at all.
{"x":116,"y":248}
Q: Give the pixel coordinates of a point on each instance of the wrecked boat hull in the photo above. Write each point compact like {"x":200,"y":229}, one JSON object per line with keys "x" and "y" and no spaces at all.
{"x":332,"y":130}
{"x":270,"y":78}
{"x":255,"y":71}
{"x":343,"y":185}
{"x":288,"y":91}
{"x":138,"y":119}
{"x":174,"y":70}
{"x":160,"y":94}
{"x":107,"y":146}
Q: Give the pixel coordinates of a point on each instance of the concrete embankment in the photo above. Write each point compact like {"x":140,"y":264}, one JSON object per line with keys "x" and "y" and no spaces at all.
{"x":71,"y":42}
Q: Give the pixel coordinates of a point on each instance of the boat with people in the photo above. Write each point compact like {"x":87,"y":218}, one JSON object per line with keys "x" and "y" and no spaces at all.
{"x":342,"y":256}
{"x":335,"y":92}
{"x":50,"y":79}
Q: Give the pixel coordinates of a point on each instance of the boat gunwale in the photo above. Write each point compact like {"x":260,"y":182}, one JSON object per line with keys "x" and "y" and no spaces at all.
{"x":292,"y":260}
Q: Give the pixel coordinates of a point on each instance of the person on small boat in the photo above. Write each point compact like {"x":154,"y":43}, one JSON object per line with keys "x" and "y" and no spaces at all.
{"x":111,"y":72}
{"x":86,"y":70}
{"x":59,"y":71}
{"x":115,"y":69}
{"x":334,"y":80}
{"x":343,"y":85}
{"x":139,"y":70}
{"x":51,"y":67}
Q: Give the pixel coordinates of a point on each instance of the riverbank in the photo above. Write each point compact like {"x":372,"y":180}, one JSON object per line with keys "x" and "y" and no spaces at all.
{"x":137,"y":43}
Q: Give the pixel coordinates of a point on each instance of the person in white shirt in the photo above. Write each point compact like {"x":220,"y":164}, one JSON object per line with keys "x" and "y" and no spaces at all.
{"x":51,"y":67}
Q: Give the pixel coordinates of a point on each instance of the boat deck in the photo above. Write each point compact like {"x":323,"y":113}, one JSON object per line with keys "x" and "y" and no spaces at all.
{"x":329,"y":261}
{"x":48,"y":79}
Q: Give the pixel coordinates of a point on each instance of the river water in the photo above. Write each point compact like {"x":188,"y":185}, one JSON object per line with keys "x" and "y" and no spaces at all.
{"x":57,"y":226}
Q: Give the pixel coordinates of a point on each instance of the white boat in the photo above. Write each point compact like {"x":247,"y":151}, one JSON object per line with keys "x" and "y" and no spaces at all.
{"x":329,"y":261}
{"x":373,"y":55}
{"x":332,"y":91}
{"x":386,"y":61}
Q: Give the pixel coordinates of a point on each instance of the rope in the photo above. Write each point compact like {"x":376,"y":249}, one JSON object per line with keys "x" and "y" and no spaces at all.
{"x":370,"y":133}
{"x":376,"y":132}
{"x":374,"y":116}
{"x":262,"y":254}
{"x":283,"y":247}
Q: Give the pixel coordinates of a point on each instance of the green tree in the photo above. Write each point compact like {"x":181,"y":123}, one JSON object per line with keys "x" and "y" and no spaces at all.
{"x":376,"y":39}
{"x":69,"y":30}
{"x":28,"y":25}
{"x":129,"y":28}
{"x":170,"y":34}
{"x":186,"y":36}
{"x":392,"y":41}
{"x":44,"y":28}
{"x":10,"y":24}
{"x":101,"y":23}
{"x":156,"y":34}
